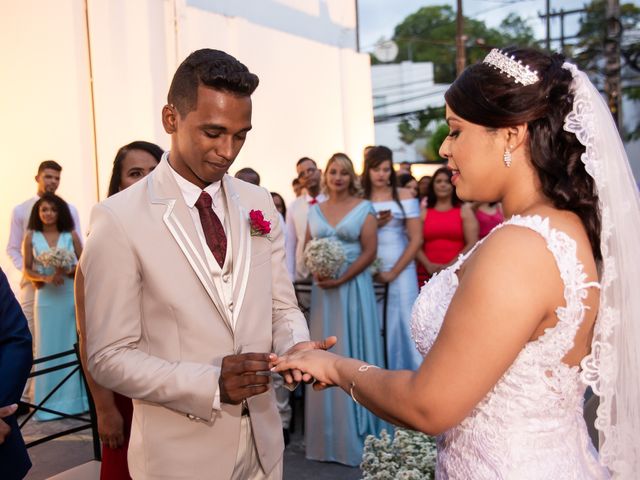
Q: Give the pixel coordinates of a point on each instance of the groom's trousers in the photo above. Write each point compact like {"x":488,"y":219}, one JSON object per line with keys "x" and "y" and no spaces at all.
{"x":247,"y":462}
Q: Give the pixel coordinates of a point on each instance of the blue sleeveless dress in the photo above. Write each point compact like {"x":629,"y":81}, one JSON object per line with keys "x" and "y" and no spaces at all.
{"x":335,"y":426}
{"x":55,"y":322}
{"x":402,"y":353}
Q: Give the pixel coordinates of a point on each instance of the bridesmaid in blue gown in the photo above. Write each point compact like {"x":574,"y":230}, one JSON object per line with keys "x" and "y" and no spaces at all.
{"x":50,"y":226}
{"x":399,"y":239}
{"x":335,"y":426}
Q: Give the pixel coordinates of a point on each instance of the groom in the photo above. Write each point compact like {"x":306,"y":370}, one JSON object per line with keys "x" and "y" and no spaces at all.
{"x":187,"y":293}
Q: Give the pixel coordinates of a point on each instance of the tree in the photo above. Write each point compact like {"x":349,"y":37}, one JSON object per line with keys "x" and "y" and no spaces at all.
{"x":428,"y":35}
{"x":416,"y":126}
{"x":436,"y":139}
{"x":589,"y":50}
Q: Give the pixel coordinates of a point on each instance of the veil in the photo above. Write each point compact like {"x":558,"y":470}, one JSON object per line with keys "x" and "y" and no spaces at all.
{"x":612,"y":369}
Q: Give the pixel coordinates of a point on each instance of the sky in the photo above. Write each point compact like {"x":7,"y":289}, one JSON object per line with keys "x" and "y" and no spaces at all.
{"x":378,"y":18}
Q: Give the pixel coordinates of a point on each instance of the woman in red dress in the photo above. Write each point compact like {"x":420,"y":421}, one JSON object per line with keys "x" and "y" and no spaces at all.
{"x":449,"y":229}
{"x":489,"y":215}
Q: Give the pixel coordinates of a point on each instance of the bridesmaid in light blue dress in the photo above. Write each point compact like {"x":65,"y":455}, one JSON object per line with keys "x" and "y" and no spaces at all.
{"x":399,"y":238}
{"x":336,"y":426}
{"x":49,"y":227}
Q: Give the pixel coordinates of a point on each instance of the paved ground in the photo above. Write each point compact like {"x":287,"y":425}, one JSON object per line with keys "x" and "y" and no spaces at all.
{"x":57,"y":455}
{"x":64,"y":453}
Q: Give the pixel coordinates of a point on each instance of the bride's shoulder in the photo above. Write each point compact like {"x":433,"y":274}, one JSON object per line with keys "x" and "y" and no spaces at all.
{"x":510,"y":249}
{"x":511,"y":241}
{"x":514,"y":267}
{"x":525,"y":243}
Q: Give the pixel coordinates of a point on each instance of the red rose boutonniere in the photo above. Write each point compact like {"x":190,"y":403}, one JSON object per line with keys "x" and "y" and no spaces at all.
{"x":259,"y":226}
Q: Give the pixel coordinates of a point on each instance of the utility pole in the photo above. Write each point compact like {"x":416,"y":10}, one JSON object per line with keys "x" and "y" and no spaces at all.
{"x":562,"y":14}
{"x":612,"y":85}
{"x":548,"y":18}
{"x":461,"y":60}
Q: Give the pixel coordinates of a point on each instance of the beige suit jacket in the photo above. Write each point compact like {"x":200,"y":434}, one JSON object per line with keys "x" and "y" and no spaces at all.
{"x":157,"y":328}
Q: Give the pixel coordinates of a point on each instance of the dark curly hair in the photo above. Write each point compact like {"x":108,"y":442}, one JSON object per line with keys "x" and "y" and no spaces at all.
{"x":211,"y":68}
{"x":65,"y":221}
{"x":485,"y":96}
{"x":431,"y":192}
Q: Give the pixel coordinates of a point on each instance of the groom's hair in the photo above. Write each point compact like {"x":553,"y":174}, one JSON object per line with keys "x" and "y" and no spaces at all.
{"x":211,"y":68}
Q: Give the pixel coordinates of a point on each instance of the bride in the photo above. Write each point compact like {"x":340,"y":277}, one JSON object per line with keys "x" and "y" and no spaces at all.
{"x":517,"y":328}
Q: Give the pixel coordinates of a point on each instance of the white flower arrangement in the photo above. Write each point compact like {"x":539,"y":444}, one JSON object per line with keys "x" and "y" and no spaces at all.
{"x":57,"y":258}
{"x":324,"y":257}
{"x":409,"y":455}
{"x":375,"y":266}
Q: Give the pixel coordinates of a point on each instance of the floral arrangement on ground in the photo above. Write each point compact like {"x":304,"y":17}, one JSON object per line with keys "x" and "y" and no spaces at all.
{"x":409,"y":455}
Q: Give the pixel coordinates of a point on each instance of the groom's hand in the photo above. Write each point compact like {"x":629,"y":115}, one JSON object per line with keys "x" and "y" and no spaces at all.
{"x":239,"y":377}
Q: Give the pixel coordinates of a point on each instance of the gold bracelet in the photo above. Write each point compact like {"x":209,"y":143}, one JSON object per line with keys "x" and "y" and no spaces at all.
{"x":361,"y":368}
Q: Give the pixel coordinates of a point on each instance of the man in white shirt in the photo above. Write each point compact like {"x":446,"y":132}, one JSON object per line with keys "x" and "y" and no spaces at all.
{"x":309,"y":175}
{"x":48,"y":180}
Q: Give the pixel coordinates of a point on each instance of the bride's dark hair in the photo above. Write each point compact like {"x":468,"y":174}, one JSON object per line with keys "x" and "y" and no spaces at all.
{"x":486,"y":96}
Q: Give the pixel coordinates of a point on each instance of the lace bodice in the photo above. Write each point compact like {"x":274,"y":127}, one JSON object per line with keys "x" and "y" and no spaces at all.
{"x":530,"y":425}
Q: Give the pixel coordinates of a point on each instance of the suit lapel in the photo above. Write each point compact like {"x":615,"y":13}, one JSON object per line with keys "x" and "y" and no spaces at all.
{"x":164,"y":190}
{"x":240,"y":238}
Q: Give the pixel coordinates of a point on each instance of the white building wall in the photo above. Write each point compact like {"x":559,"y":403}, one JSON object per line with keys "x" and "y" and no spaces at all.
{"x":402,"y":88}
{"x":314,"y":96}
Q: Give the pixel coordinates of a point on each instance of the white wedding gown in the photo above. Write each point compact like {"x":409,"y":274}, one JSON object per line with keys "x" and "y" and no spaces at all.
{"x":530,"y":425}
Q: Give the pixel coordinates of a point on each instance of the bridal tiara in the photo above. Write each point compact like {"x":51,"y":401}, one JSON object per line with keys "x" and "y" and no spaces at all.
{"x":511,"y":67}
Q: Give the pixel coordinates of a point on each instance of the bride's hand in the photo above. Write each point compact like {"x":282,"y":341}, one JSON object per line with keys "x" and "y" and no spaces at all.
{"x":319,"y":364}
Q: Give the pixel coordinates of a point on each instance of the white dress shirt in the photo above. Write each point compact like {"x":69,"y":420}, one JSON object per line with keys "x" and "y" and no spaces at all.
{"x":20,"y":220}
{"x":296,"y":225}
{"x":191,"y":193}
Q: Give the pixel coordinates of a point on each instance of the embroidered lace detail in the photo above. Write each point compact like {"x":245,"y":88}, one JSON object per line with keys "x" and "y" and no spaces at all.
{"x":600,"y":366}
{"x":530,"y":424}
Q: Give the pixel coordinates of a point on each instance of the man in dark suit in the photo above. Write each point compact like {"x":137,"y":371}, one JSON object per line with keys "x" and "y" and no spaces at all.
{"x":15,"y":363}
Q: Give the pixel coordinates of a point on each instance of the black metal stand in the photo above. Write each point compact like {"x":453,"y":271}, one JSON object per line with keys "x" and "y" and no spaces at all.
{"x":86,"y":423}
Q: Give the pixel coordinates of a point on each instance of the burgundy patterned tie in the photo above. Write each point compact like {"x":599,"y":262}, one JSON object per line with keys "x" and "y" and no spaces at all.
{"x":212,"y":227}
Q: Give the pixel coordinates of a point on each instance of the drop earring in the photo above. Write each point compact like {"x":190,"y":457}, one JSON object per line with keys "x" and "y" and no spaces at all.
{"x":506,"y":157}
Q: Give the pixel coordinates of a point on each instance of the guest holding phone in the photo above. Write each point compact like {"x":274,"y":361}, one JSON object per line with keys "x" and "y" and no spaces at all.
{"x":399,"y":239}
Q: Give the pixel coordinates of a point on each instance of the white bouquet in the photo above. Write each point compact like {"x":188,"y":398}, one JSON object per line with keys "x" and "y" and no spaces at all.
{"x":324,"y":257}
{"x":57,"y":258}
{"x":409,"y":455}
{"x":375,"y":266}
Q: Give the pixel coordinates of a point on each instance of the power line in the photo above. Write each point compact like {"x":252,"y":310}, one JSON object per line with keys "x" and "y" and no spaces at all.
{"x":406,"y":84}
{"x":411,"y":99}
{"x":395,"y":116}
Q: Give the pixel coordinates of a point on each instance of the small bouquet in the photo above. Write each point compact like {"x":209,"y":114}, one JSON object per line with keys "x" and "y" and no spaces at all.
{"x":324,"y":257}
{"x":57,"y":258}
{"x":409,"y":455}
{"x":375,"y":266}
